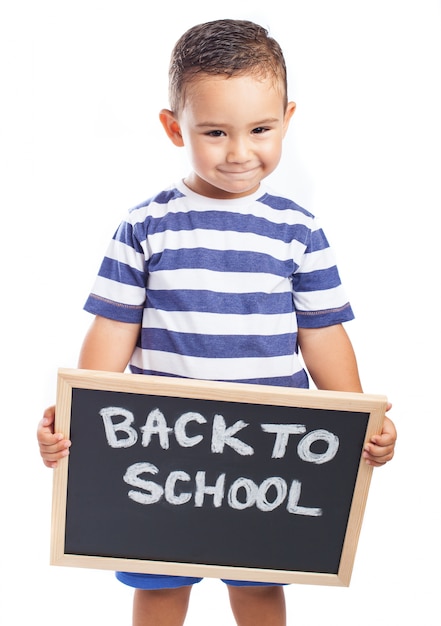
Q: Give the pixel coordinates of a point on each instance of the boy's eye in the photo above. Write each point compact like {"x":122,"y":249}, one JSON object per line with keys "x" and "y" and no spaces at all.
{"x":259,"y":130}
{"x":215,"y":133}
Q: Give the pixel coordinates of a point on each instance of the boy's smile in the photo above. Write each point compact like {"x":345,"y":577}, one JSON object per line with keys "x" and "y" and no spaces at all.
{"x":232,"y":129}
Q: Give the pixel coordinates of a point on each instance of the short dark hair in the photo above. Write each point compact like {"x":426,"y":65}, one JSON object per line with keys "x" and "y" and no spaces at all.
{"x":224,"y":47}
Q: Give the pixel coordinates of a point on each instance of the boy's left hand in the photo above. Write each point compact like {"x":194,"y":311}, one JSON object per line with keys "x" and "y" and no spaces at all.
{"x":380,"y":449}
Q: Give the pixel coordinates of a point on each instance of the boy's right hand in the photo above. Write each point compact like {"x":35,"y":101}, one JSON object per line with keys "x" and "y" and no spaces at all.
{"x":53,"y":446}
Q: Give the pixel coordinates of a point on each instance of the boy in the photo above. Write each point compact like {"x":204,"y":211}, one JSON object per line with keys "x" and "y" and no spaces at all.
{"x":217,"y":277}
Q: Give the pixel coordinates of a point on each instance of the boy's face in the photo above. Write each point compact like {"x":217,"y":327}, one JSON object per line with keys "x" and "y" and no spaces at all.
{"x":232,"y":129}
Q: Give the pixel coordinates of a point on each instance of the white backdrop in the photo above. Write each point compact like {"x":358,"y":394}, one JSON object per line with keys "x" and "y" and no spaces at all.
{"x":80,"y":141}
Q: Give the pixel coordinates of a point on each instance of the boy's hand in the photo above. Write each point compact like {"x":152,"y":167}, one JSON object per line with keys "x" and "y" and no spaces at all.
{"x":53,"y":446}
{"x":380,"y":449}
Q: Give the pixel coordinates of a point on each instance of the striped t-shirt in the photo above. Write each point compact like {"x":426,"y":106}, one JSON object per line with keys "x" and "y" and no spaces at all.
{"x":220,"y":286}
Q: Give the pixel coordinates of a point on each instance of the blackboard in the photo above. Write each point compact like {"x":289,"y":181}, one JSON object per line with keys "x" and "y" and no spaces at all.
{"x":212,"y":479}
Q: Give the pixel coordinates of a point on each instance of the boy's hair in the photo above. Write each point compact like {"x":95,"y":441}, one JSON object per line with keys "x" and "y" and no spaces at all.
{"x":224,"y":47}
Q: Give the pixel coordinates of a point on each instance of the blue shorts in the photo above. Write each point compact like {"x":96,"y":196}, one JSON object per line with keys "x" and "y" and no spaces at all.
{"x":161,"y":581}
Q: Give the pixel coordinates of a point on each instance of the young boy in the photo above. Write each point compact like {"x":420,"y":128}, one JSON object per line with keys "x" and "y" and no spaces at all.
{"x":219,"y":278}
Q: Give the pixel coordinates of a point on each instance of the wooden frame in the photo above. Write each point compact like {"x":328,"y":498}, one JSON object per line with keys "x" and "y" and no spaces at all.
{"x":372,"y":406}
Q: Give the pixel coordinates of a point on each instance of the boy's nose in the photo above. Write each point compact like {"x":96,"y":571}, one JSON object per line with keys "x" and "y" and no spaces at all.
{"x":238,"y":151}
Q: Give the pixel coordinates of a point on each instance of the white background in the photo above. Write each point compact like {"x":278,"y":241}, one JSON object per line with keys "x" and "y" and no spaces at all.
{"x":81,"y":86}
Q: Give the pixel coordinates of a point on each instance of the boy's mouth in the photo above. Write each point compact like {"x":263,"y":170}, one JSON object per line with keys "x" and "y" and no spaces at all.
{"x":239,"y":172}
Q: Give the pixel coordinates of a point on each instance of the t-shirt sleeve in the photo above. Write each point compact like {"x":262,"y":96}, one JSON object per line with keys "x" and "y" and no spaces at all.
{"x":119,"y":289}
{"x":319,"y":297}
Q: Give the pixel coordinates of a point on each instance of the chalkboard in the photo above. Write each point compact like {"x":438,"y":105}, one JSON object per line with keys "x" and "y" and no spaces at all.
{"x":200,"y":478}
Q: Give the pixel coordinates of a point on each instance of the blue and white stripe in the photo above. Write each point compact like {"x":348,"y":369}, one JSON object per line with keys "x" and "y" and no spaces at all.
{"x":220,"y":286}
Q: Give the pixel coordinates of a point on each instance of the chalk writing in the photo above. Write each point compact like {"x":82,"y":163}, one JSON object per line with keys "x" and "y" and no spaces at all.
{"x":180,"y":488}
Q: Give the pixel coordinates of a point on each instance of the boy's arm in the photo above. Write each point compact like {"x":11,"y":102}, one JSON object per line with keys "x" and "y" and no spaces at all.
{"x":108,"y":346}
{"x":330,"y":360}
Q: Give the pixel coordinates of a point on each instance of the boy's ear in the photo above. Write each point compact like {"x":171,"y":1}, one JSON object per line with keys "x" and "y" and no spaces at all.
{"x":171,"y":127}
{"x":290,"y":110}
